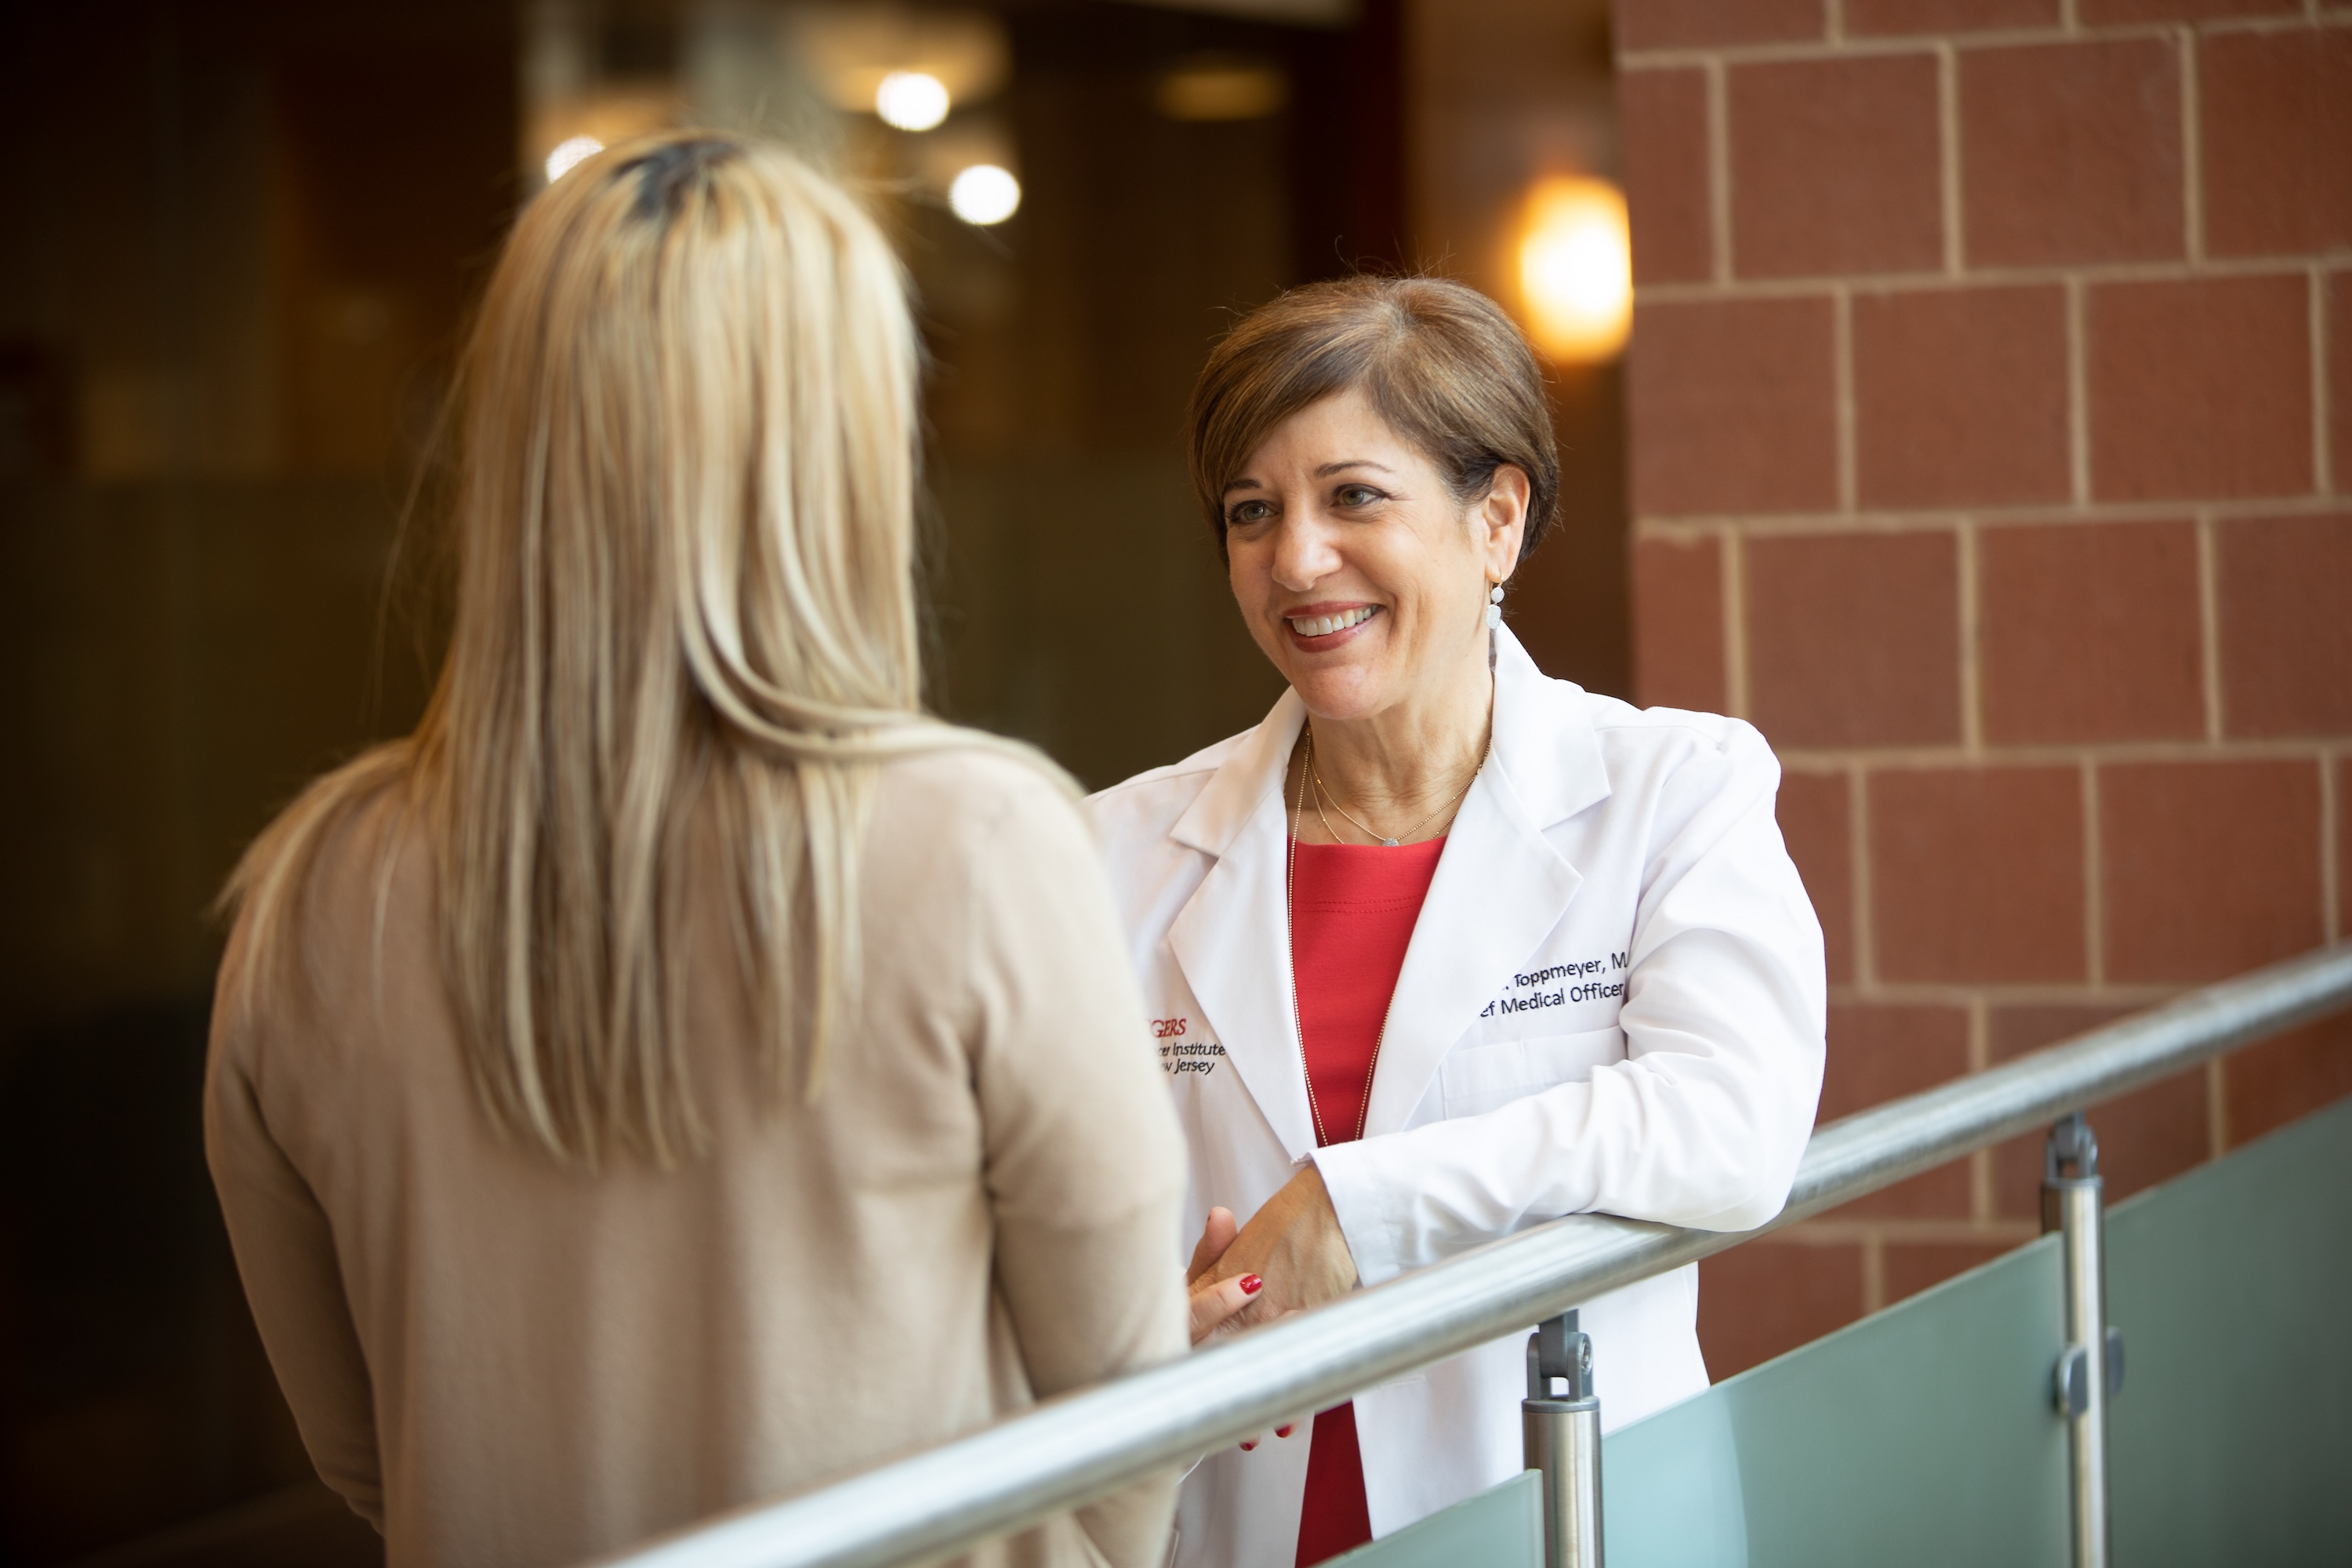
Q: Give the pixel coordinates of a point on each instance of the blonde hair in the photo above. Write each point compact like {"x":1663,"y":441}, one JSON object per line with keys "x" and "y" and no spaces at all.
{"x":1440,"y":362}
{"x":683,"y":506}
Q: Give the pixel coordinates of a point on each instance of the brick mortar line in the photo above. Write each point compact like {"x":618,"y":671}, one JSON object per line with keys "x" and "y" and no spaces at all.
{"x":2135,"y":995}
{"x":1878,"y":46}
{"x":1718,"y":174}
{"x":2103,"y":273}
{"x":2094,"y":896}
{"x":2078,"y":396}
{"x":1732,"y":558}
{"x":1842,"y":394}
{"x":2323,"y":457}
{"x":1866,"y":944}
{"x":2331,"y":848}
{"x":2208,"y":627}
{"x":1873,"y":1271}
{"x":2113,"y":753}
{"x":1983,"y":1204}
{"x":1970,"y":629}
{"x":1948,"y":130}
{"x":1781,"y":526}
{"x":2192,"y":149}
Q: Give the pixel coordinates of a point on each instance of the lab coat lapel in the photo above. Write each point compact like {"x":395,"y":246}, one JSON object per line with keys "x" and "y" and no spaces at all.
{"x":1500,"y":886}
{"x":1233,"y":938}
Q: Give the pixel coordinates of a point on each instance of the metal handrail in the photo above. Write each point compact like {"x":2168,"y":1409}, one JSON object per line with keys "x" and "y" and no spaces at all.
{"x":1069,"y":1450}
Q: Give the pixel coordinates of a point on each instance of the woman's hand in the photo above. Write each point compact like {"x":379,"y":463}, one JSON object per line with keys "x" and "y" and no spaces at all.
{"x":1215,"y":1299}
{"x":1293,"y":1244}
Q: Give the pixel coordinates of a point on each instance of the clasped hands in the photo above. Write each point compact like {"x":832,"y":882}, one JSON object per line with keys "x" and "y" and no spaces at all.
{"x":1290,"y":1256}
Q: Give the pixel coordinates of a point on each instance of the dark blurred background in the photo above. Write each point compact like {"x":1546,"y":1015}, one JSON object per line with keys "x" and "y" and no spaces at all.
{"x":243,"y":241}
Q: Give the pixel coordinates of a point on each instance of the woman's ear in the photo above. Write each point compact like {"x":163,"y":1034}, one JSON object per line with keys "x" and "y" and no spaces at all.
{"x":1502,"y":520}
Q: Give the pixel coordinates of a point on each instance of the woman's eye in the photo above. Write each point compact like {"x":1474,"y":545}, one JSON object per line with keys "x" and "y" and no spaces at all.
{"x":1248,"y":512}
{"x":1357,"y":495}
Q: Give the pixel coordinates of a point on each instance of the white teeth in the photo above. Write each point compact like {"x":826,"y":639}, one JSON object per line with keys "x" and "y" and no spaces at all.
{"x":1324,"y":625}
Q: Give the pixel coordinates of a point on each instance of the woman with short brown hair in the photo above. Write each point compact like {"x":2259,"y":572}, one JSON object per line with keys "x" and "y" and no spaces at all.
{"x":1464,"y":948}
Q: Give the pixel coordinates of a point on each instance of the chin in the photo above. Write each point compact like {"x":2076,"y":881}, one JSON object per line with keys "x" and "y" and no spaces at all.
{"x":1339,"y":694}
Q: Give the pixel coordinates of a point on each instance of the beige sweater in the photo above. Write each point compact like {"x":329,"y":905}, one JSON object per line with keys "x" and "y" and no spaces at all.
{"x":500,"y":1361}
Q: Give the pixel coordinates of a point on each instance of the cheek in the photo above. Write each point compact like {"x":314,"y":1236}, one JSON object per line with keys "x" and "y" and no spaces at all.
{"x":1247,"y":573}
{"x":1439,"y":594}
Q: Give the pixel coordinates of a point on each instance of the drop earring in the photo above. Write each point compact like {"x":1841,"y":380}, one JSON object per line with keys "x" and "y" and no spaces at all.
{"x":1495,"y":606}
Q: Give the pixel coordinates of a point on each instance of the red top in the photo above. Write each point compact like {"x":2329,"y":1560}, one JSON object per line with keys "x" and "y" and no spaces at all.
{"x":1351,"y":917}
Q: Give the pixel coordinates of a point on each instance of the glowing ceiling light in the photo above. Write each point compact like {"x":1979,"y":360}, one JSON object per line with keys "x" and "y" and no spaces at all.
{"x":912,"y":101}
{"x":984,"y":193}
{"x":569,"y":155}
{"x":1576,"y":269}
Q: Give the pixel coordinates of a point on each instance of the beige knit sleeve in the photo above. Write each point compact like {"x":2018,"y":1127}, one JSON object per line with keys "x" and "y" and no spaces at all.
{"x":286,"y":1254}
{"x":1085,"y":1159}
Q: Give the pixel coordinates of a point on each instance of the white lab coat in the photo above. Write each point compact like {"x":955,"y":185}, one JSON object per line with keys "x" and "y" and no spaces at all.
{"x":1613,"y":1001}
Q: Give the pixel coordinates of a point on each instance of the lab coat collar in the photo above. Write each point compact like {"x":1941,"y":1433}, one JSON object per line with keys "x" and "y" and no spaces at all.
{"x":1232,"y":937}
{"x":1499,"y":888}
{"x":1543,"y":741}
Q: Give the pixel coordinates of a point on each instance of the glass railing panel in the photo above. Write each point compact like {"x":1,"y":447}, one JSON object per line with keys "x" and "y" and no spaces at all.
{"x":1922,"y":1434}
{"x":1500,"y":1528}
{"x":2231,"y":1441}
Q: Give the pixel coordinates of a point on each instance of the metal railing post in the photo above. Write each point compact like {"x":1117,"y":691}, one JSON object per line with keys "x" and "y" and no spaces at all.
{"x":2090,"y":1368}
{"x":1561,"y":1437}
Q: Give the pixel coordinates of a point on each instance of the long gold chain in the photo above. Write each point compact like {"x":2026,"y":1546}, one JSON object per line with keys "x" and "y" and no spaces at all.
{"x":1290,"y":931}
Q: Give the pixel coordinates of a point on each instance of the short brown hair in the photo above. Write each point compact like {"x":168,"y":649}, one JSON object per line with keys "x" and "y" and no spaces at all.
{"x":1440,"y":362}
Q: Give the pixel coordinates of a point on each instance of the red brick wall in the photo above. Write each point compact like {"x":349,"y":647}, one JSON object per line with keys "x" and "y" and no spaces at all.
{"x":1991,"y":450}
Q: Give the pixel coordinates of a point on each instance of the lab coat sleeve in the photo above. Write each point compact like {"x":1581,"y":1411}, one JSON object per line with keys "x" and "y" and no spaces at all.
{"x":1704,"y":1123}
{"x":284,"y":1251}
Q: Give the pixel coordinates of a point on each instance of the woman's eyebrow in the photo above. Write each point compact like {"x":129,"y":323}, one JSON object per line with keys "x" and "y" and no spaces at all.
{"x":1245,"y":483}
{"x":1327,"y":469}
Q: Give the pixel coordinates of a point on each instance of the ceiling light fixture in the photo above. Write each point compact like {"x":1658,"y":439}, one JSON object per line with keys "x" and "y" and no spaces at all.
{"x":984,"y":194}
{"x":912,"y":101}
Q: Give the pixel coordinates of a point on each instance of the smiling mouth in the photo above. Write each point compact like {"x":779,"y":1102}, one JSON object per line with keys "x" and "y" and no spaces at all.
{"x":1324,"y":625}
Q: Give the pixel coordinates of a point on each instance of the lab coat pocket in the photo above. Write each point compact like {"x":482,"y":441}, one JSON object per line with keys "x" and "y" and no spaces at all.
{"x":1477,"y":1079}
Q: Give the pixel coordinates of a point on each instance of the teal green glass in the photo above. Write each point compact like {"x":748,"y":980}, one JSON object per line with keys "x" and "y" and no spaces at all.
{"x":1925,"y":1435}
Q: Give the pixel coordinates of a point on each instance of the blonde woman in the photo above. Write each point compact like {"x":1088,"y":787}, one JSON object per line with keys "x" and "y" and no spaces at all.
{"x":680,"y":1070}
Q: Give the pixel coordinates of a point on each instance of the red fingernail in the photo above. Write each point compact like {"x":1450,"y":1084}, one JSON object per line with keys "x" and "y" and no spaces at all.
{"x":1247,"y":1446}
{"x":1252,"y":1284}
{"x":1283,"y":1431}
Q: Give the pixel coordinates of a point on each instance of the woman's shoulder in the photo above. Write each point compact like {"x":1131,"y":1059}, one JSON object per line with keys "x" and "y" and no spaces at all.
{"x":975,"y":790}
{"x":336,"y":888}
{"x":1673,"y":735}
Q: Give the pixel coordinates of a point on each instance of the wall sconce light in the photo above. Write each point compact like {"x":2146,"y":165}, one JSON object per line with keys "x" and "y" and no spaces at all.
{"x":1576,"y":269}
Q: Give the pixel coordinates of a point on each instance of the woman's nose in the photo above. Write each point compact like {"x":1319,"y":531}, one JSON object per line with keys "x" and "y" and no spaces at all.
{"x":1303,"y":555}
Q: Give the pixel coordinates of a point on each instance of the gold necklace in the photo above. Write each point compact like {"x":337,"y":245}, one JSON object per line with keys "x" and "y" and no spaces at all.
{"x":1329,"y":831}
{"x":1321,"y":789}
